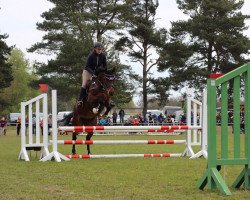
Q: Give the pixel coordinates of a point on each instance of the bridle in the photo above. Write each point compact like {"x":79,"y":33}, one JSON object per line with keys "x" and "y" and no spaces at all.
{"x":106,"y":86}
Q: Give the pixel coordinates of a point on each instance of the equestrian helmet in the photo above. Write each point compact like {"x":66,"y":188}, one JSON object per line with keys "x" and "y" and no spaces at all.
{"x":98,"y":45}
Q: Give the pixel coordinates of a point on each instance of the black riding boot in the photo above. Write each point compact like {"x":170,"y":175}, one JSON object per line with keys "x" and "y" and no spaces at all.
{"x":82,"y":96}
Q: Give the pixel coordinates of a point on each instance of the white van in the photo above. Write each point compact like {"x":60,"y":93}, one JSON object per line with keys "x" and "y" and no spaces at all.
{"x":62,"y":114}
{"x":168,"y":110}
{"x":12,"y":118}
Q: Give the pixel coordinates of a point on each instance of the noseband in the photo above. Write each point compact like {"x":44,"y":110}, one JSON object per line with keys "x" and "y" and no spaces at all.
{"x":103,"y":83}
{"x":105,"y":86}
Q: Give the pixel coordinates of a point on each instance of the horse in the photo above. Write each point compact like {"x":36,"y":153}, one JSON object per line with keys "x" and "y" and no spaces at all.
{"x":100,"y":89}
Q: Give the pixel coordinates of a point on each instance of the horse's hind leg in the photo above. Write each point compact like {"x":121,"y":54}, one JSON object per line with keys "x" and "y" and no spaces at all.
{"x":88,"y":137}
{"x":74,"y":146}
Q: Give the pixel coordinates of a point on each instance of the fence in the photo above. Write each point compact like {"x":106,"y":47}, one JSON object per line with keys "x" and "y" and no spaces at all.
{"x":218,"y":152}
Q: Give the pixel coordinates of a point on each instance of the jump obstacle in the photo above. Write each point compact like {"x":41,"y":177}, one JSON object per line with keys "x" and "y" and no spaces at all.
{"x":55,"y":155}
{"x":217,"y":89}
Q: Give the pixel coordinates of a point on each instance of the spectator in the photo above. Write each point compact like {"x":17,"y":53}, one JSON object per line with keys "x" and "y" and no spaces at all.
{"x":3,"y":124}
{"x":242,"y":124}
{"x":114,"y":117}
{"x":108,"y":121}
{"x":141,"y":119}
{"x":129,"y":121}
{"x":183,"y":119}
{"x":160,"y":119}
{"x":154,"y":118}
{"x":168,"y":121}
{"x":50,"y":123}
{"x":135,"y":122}
{"x":18,"y":126}
{"x":121,"y":114}
{"x":34,"y":124}
{"x":150,"y":119}
{"x":172,"y":117}
{"x":102,"y":121}
{"x":41,"y":125}
{"x":26,"y":124}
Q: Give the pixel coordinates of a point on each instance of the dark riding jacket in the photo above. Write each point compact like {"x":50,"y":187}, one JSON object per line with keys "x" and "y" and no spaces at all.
{"x":95,"y":61}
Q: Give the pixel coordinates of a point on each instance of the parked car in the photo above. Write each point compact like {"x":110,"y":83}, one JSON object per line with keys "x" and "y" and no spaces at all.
{"x":12,"y":118}
{"x":62,"y":114}
{"x":155,"y":112}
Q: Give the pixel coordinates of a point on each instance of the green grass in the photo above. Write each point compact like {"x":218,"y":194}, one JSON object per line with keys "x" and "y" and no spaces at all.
{"x":121,"y":179}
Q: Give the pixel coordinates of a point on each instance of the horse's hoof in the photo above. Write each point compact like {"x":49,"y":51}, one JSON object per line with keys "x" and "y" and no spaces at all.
{"x":95,"y":110}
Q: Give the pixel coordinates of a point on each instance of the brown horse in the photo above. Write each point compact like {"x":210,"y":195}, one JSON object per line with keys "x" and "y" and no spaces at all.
{"x":99,"y":91}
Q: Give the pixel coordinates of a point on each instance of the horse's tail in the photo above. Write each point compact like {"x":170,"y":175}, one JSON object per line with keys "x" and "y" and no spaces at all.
{"x":66,"y":120}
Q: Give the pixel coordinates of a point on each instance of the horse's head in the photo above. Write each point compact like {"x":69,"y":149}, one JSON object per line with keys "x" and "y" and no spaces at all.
{"x":101,"y":88}
{"x":106,"y":80}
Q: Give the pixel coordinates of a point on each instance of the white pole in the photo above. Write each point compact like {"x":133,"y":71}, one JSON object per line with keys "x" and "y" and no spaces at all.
{"x":29,"y":125}
{"x":203,"y":151}
{"x":37,"y":122}
{"x":45,"y":127}
{"x":23,"y":155}
{"x":54,"y":120}
{"x":188,"y":151}
{"x":195,"y":123}
{"x":54,"y":155}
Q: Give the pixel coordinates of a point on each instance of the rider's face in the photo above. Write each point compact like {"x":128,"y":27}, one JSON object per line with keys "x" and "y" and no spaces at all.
{"x":98,"y":50}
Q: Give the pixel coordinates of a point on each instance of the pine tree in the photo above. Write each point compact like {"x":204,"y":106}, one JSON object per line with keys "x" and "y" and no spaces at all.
{"x":210,"y":41}
{"x":5,"y":67}
{"x":71,"y":28}
{"x":142,"y":40}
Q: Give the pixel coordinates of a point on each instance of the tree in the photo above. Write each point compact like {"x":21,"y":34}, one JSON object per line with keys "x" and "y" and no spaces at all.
{"x":142,"y":40}
{"x":20,"y":89}
{"x":72,"y":27}
{"x":5,"y":67}
{"x":210,"y":41}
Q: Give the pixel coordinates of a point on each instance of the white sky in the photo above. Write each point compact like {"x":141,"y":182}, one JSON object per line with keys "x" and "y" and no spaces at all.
{"x":18,"y":19}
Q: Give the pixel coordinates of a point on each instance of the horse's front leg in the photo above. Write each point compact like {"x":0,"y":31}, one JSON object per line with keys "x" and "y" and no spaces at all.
{"x":109,"y":105}
{"x":74,"y":146}
{"x":96,"y":109}
{"x":88,"y":137}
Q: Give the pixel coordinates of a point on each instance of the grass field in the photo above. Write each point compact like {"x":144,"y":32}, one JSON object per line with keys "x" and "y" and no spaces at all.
{"x":121,"y":179}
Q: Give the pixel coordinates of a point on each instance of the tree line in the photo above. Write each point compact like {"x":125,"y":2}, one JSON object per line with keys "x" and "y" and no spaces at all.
{"x":211,"y":40}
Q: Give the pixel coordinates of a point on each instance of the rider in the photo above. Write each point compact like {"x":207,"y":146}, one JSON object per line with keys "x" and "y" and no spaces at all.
{"x":96,"y":60}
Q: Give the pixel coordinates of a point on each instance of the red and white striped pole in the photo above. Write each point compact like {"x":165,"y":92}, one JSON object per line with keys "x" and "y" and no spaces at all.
{"x":86,"y":156}
{"x":134,"y":128}
{"x":89,"y":142}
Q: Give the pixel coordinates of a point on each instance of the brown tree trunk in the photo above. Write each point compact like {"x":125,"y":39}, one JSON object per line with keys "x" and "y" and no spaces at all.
{"x":144,"y":82}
